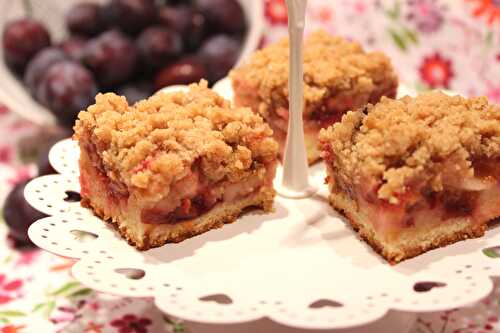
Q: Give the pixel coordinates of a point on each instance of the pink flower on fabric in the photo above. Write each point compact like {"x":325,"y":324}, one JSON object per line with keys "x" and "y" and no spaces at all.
{"x":4,"y":110}
{"x":27,"y":257}
{"x":276,"y":11}
{"x":323,"y":14}
{"x":9,"y":289}
{"x":6,"y":154}
{"x":130,"y":323}
{"x":490,"y":9}
{"x":20,"y":175}
{"x":493,"y":92}
{"x":436,"y":71}
{"x":427,"y":15}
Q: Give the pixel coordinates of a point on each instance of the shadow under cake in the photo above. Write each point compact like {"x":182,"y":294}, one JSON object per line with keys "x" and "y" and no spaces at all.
{"x":338,"y":76}
{"x":174,"y":165}
{"x":415,"y":174}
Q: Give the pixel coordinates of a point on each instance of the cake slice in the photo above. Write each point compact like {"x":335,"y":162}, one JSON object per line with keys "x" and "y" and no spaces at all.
{"x":174,"y":165}
{"x":415,"y":174}
{"x":338,"y":76}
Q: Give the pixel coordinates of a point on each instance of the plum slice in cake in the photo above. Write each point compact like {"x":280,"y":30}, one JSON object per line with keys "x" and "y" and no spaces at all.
{"x":416,"y":173}
{"x":174,"y":165}
{"x":338,"y":76}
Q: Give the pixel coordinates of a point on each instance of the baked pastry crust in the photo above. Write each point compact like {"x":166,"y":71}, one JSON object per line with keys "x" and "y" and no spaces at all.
{"x":416,"y":173}
{"x":338,"y":76}
{"x":171,"y":154}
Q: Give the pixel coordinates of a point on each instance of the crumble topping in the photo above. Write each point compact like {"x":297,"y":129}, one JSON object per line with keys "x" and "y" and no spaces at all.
{"x":402,"y":142}
{"x":331,"y":65}
{"x":155,"y":142}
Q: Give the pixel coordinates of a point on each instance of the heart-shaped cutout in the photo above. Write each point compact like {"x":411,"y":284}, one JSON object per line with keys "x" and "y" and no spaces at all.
{"x":425,"y":286}
{"x":324,"y":303}
{"x":131,"y":273}
{"x":72,"y":196}
{"x":83,"y":236}
{"x":492,"y":252}
{"x":217,"y":298}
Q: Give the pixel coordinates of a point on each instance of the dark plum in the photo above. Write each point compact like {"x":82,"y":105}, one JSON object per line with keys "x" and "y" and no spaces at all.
{"x":158,"y":46}
{"x":188,"y":22}
{"x":67,"y":88}
{"x":220,"y":54}
{"x":19,"y":215}
{"x":177,"y":2}
{"x":223,"y":15}
{"x":85,"y":19}
{"x":185,"y":71}
{"x":73,"y":47}
{"x":40,"y":64}
{"x":22,"y":39}
{"x":136,"y":91}
{"x":112,"y":57}
{"x":131,"y":16}
{"x":49,"y":137}
{"x":31,"y":145}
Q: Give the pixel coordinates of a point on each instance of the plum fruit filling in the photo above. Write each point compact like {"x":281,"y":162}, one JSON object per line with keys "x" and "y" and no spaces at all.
{"x":193,"y":196}
{"x":476,"y":199}
{"x":188,"y":198}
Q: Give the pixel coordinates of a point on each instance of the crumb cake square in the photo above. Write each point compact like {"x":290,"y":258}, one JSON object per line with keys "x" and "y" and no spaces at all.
{"x":338,"y":76}
{"x":174,"y":165}
{"x":415,"y":174}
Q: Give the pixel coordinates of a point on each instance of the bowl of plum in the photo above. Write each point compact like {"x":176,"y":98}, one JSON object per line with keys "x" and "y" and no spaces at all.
{"x":57,"y":55}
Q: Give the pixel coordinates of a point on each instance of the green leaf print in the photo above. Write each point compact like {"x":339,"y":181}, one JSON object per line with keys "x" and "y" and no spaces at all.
{"x":492,"y":252}
{"x":178,"y":328}
{"x":50,"y":306}
{"x":395,"y":12}
{"x":488,"y":40}
{"x":12,"y":313}
{"x":38,"y":307}
{"x":398,"y":40}
{"x":66,"y":288}
{"x":411,"y":35}
{"x":81,"y":293}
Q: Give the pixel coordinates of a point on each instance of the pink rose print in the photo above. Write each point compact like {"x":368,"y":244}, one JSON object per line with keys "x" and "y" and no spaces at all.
{"x":130,"y":323}
{"x":9,"y":289}
{"x":487,"y":8}
{"x":3,"y":110}
{"x":323,"y":14}
{"x":436,"y":71}
{"x":493,"y":92}
{"x":27,"y":258}
{"x":427,"y":15}
{"x":6,"y":154}
{"x":21,"y":174}
{"x":276,"y":11}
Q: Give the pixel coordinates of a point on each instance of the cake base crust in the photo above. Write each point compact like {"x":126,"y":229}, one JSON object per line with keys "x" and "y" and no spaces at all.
{"x":161,"y":234}
{"x":407,"y":244}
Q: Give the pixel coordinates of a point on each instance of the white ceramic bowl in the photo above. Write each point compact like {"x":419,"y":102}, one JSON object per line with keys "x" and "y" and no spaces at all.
{"x":51,"y":12}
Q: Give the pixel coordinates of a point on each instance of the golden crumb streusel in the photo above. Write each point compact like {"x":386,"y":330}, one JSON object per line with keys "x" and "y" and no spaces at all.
{"x":400,"y":142}
{"x":331,"y":65}
{"x":155,"y":142}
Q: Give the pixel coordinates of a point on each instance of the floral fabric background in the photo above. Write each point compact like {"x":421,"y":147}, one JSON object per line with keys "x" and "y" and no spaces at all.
{"x":452,"y":44}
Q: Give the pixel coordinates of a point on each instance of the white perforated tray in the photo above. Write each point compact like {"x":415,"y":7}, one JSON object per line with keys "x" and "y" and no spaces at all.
{"x":301,"y":266}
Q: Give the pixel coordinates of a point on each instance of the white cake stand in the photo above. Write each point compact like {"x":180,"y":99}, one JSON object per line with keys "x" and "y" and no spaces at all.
{"x":301,"y":266}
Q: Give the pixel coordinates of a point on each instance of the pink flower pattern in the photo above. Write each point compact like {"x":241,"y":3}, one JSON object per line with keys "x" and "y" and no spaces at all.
{"x":9,"y":289}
